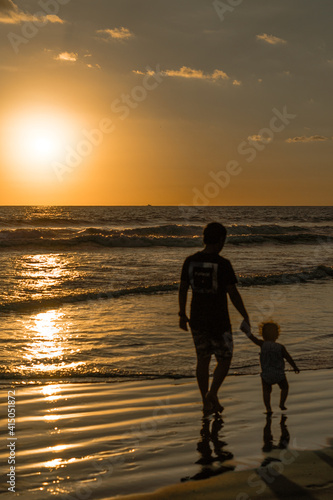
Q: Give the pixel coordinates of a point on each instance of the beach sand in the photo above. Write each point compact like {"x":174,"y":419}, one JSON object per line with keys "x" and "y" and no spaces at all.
{"x":101,"y":440}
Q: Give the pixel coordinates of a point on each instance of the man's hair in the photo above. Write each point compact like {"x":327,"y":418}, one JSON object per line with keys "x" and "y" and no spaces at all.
{"x":213,"y":233}
{"x":269,"y":330}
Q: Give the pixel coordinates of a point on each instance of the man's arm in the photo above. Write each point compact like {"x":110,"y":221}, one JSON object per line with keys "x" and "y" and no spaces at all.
{"x":237,"y":301}
{"x":182,"y":298}
{"x":247,"y":330}
{"x":290,"y":360}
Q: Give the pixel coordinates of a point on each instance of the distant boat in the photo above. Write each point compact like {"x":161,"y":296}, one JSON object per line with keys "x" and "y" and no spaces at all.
{"x":148,"y":205}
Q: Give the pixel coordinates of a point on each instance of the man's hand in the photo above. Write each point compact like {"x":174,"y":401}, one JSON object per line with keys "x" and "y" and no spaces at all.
{"x":296,"y":370}
{"x":183,"y":320}
{"x":245,"y":326}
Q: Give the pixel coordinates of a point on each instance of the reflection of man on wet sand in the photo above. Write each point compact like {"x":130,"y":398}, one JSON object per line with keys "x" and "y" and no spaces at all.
{"x":211,"y":278}
{"x":211,"y":464}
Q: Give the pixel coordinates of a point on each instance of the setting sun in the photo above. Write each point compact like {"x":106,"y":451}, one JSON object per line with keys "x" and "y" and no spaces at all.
{"x":34,"y":139}
{"x":42,"y":145}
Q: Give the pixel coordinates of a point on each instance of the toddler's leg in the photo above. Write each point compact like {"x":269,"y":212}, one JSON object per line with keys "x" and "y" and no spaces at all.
{"x":284,"y":386}
{"x":266,"y":392}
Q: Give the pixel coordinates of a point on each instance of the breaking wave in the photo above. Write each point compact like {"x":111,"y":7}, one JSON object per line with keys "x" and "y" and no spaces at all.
{"x":29,"y":305}
{"x":170,"y":235}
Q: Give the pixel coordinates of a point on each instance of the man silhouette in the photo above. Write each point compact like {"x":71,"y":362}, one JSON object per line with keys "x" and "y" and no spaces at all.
{"x":211,"y":278}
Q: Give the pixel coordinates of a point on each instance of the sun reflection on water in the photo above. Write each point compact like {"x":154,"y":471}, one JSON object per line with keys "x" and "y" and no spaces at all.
{"x":49,"y":346}
{"x":45,"y":333}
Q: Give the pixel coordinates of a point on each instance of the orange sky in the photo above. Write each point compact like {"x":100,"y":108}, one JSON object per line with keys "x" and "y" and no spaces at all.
{"x":169,"y":103}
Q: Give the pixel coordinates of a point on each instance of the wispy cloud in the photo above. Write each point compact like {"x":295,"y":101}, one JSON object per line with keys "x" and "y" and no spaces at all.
{"x":237,"y":83}
{"x":93,"y":66}
{"x":73,"y":57}
{"x":271,"y":39}
{"x":259,"y":138}
{"x":312,"y":138}
{"x":116,"y":34}
{"x":186,"y":72}
{"x":190,"y":73}
{"x":11,"y":14}
{"x":67,"y":57}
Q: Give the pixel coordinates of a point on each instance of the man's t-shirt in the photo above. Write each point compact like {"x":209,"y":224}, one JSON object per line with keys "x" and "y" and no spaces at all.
{"x":208,"y":275}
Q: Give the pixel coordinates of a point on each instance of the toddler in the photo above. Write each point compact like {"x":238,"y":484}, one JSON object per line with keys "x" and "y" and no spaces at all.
{"x":272,"y":356}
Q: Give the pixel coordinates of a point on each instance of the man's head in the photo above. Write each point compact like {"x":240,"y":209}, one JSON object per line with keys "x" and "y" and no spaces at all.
{"x":215,"y":234}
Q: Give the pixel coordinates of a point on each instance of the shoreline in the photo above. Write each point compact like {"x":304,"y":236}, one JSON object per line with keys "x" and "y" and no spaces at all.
{"x":31,"y":382}
{"x":114,"y":439}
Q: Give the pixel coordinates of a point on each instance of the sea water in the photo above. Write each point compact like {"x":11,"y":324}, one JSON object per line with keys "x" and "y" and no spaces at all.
{"x":90,"y":293}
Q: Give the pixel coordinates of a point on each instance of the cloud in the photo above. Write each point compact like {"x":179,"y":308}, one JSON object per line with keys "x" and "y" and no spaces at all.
{"x":11,"y":14}
{"x":73,"y":57}
{"x":66,"y":57}
{"x":237,"y":83}
{"x":189,"y":73}
{"x":312,"y":138}
{"x":116,"y":33}
{"x":271,"y":39}
{"x":259,"y":138}
{"x":93,"y":66}
{"x":52,"y":18}
{"x":186,"y":72}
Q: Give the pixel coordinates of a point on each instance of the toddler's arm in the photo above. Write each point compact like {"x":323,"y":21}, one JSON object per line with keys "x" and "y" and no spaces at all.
{"x":290,"y":360}
{"x":247,"y":330}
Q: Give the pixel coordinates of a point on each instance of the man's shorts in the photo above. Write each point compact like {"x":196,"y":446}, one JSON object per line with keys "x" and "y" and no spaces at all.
{"x":207,"y":344}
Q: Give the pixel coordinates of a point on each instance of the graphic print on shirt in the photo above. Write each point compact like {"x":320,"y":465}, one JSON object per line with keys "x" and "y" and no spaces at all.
{"x":203,"y":277}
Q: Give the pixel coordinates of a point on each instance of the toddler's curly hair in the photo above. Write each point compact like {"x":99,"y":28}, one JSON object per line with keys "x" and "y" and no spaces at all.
{"x":269,"y":330}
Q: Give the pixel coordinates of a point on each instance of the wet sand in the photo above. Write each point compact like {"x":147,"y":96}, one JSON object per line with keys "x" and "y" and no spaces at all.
{"x":102,"y":440}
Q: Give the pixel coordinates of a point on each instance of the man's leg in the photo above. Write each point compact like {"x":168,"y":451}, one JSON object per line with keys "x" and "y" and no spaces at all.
{"x":223,"y":349}
{"x":220,"y":372}
{"x":202,"y":373}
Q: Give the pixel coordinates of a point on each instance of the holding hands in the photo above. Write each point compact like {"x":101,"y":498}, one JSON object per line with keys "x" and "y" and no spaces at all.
{"x":183,"y":320}
{"x":245,"y":326}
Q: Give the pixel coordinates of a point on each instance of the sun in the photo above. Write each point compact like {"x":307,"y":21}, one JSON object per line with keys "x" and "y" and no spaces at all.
{"x":33,"y":139}
{"x":42,"y":144}
{"x":39,"y":137}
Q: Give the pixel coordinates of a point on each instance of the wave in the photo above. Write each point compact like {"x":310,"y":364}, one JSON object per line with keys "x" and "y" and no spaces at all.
{"x":100,"y":374}
{"x":93,"y":373}
{"x":30,"y":305}
{"x":58,"y":301}
{"x":170,"y":235}
{"x":306,"y":276}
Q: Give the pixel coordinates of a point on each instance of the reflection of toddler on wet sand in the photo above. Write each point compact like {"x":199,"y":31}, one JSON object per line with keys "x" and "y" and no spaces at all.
{"x":272,"y":356}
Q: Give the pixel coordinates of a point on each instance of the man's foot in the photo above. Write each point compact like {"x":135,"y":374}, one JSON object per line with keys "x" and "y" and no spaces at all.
{"x":283,"y":407}
{"x":268,"y":411}
{"x":212,"y":403}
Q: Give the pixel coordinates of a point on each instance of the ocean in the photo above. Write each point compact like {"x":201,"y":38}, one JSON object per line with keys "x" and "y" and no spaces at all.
{"x":89,"y":294}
